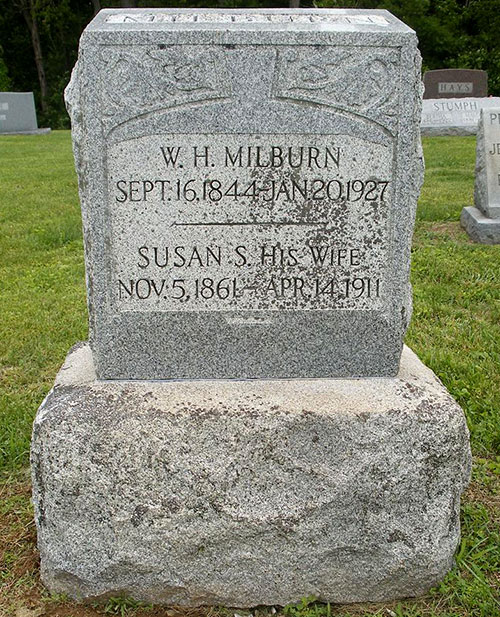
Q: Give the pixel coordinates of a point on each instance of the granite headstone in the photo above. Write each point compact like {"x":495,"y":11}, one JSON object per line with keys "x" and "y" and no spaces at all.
{"x":482,"y":221}
{"x":455,"y":83}
{"x":247,"y":180}
{"x":248,"y":183}
{"x":459,"y":117}
{"x":18,"y":114}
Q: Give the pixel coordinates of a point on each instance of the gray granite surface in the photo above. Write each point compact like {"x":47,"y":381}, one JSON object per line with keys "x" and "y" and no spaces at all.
{"x":482,"y":222}
{"x":245,"y":493}
{"x":487,"y":179}
{"x":480,"y":228}
{"x":454,"y":116}
{"x":18,"y":114}
{"x":248,"y":182}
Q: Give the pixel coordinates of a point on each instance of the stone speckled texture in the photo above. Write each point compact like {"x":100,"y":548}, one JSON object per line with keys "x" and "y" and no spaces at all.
{"x":340,"y":79}
{"x":480,"y":228}
{"x":246,"y":493}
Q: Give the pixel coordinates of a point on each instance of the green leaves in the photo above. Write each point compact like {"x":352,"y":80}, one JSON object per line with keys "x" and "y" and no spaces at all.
{"x":308,"y":607}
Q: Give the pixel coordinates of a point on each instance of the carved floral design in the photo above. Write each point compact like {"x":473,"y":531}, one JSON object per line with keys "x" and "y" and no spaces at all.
{"x":138,"y":82}
{"x":340,"y":77}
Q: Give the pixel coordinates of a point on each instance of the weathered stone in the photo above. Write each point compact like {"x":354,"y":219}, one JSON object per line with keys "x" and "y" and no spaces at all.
{"x":248,"y":183}
{"x":480,"y":228}
{"x":249,"y":492}
{"x":459,"y":117}
{"x":482,"y":222}
{"x":455,"y":83}
{"x":18,"y":114}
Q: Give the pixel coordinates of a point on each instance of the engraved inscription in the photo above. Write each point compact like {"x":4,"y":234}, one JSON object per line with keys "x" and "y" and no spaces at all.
{"x":247,"y":17}
{"x":492,"y":148}
{"x":446,"y":112}
{"x":494,"y":121}
{"x":448,"y":87}
{"x":249,"y":222}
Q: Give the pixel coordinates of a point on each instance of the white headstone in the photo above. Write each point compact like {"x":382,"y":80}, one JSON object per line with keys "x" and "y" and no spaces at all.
{"x":454,"y":116}
{"x":487,"y":186}
{"x":482,"y":221}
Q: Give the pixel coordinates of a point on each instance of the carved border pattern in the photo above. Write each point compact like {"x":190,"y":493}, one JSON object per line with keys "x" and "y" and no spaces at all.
{"x":366,"y":84}
{"x":159,"y":77}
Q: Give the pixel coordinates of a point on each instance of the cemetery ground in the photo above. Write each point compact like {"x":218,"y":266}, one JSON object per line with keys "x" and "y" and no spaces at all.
{"x":455,"y":330}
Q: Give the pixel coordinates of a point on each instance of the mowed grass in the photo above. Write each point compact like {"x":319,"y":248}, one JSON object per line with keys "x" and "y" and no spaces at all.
{"x":449,"y":178}
{"x":456,"y":292}
{"x":42,"y":288}
{"x":455,"y":330}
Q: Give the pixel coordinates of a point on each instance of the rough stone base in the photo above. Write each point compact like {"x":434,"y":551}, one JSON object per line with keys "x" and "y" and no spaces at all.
{"x":480,"y":228}
{"x":247,"y":493}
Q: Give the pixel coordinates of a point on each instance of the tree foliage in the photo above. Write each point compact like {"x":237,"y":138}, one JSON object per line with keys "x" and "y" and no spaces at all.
{"x":5,"y":84}
{"x":452,"y":34}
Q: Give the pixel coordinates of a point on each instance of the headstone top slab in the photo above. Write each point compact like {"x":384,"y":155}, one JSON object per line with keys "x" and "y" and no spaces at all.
{"x":248,"y":183}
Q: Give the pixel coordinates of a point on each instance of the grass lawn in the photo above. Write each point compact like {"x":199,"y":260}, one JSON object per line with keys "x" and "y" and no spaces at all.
{"x":455,"y":330}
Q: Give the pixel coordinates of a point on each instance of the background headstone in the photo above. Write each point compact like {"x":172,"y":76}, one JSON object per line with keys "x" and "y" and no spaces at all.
{"x":459,"y":117}
{"x":18,"y":114}
{"x":455,"y":83}
{"x":482,"y":222}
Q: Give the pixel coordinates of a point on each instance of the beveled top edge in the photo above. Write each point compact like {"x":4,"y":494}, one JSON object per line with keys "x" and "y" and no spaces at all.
{"x":362,"y":20}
